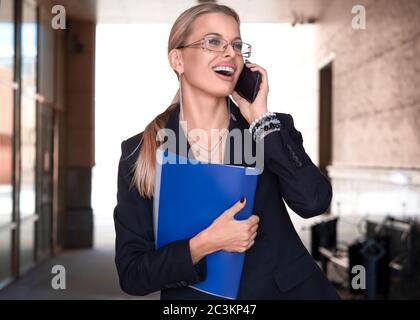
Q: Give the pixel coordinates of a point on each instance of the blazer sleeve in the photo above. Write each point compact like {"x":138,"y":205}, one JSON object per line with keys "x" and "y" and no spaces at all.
{"x":141,"y":267}
{"x":302,"y":185}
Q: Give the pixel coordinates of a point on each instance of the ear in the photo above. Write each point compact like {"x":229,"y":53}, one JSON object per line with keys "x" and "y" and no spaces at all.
{"x":176,"y":60}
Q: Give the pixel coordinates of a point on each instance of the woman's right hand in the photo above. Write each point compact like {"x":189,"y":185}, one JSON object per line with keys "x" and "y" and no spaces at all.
{"x":227,"y":233}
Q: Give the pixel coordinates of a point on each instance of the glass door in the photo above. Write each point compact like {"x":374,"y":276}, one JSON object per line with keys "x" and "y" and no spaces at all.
{"x":7,"y":93}
{"x":28,"y":136}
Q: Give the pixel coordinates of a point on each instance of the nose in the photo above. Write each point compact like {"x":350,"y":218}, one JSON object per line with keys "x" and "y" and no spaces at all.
{"x":229,"y":51}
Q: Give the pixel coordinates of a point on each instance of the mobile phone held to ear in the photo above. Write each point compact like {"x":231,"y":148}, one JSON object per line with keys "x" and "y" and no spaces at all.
{"x":248,"y":84}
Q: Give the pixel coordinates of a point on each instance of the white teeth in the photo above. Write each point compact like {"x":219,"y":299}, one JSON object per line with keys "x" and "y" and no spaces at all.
{"x":229,"y":70}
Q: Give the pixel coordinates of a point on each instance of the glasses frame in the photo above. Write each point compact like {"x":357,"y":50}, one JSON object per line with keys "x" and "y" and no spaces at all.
{"x":202,"y":44}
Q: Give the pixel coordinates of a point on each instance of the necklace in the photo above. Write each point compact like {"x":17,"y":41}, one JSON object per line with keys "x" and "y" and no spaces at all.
{"x":210,"y":151}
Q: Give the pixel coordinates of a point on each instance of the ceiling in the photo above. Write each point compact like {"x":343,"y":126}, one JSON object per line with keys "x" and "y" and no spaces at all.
{"x":166,"y":11}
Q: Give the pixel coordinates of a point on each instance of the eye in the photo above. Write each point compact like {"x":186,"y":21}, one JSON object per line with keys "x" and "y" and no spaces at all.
{"x":238,"y":45}
{"x":214,"y":41}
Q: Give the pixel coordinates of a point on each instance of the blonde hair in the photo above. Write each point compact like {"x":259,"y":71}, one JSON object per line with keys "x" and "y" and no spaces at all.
{"x":145,"y":166}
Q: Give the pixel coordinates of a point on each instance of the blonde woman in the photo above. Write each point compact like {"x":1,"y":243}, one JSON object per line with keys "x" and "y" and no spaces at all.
{"x":206,"y":52}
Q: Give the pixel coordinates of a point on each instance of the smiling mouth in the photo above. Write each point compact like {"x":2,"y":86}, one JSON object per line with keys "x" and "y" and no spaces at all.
{"x":225,"y":73}
{"x":224,"y":70}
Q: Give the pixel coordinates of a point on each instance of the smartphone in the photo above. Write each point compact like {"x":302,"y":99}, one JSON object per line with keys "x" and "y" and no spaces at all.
{"x":248,"y":84}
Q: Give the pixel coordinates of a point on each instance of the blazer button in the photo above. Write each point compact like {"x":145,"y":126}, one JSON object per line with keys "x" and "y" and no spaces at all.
{"x":298,"y":163}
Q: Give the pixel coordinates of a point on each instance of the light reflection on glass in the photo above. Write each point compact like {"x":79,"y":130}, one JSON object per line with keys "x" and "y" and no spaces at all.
{"x":6,"y":110}
{"x":29,"y":38}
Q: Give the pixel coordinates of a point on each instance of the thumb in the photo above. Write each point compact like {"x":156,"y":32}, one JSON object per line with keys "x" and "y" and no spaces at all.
{"x":238,"y":206}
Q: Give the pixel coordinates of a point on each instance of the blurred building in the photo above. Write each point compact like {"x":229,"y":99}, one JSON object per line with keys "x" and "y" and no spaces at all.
{"x":46,"y":135}
{"x":359,"y":107}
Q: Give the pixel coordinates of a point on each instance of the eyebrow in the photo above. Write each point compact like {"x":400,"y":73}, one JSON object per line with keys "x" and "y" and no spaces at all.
{"x":218,"y":34}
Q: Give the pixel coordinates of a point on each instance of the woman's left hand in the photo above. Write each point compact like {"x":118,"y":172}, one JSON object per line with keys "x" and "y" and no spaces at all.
{"x":251,"y":111}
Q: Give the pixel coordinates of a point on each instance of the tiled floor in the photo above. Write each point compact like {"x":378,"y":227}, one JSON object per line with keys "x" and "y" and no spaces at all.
{"x":90,"y":274}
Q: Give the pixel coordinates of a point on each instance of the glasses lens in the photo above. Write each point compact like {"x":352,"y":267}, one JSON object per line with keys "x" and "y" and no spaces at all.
{"x":246,"y":50}
{"x":237,"y":46}
{"x":218,"y":44}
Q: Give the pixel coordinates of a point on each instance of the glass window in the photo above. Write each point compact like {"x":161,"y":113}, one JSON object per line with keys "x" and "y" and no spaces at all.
{"x":46,"y":56}
{"x":7,"y":34}
{"x":6,"y":154}
{"x":27,"y":244}
{"x":28,"y":156}
{"x":5,"y":254}
{"x":45,"y":174}
{"x":6,"y":110}
{"x":29,"y":40}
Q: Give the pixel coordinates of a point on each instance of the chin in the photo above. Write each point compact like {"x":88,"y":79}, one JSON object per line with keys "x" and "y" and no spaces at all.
{"x":222,"y":94}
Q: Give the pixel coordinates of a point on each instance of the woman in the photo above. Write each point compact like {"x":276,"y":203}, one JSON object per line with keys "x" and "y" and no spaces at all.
{"x":204,"y":43}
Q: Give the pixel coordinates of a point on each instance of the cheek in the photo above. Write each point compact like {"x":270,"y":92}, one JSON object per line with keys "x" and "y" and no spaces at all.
{"x":198,"y":68}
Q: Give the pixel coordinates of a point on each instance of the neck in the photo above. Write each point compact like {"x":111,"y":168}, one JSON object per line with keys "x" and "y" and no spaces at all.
{"x":203,"y":111}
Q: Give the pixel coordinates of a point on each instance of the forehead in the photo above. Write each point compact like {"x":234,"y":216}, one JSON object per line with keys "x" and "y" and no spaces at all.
{"x":217,"y":23}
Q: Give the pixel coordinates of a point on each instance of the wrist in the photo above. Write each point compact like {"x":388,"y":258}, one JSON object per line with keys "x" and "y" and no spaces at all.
{"x":257,"y":115}
{"x":260,"y":118}
{"x":200,"y":246}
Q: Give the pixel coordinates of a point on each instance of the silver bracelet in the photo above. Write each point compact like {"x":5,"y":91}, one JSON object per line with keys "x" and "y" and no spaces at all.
{"x":267,"y":114}
{"x":262,"y":133}
{"x":266,"y":127}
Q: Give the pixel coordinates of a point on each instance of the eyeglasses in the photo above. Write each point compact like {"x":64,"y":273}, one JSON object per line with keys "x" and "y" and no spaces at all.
{"x":218,"y":44}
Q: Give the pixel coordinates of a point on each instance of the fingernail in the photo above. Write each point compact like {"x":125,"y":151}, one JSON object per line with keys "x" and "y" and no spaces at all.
{"x":242,"y":199}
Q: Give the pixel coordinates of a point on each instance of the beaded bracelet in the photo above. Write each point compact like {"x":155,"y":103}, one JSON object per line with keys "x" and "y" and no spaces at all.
{"x":268,"y":113}
{"x":265,"y":129}
{"x":266,"y":120}
{"x":261,"y":125}
{"x":267,"y":117}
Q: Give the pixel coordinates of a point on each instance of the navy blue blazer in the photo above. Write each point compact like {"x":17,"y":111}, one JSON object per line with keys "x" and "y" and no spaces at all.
{"x":277,"y":266}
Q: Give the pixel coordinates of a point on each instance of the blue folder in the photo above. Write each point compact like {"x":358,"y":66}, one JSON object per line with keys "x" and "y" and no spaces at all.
{"x":188,"y":198}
